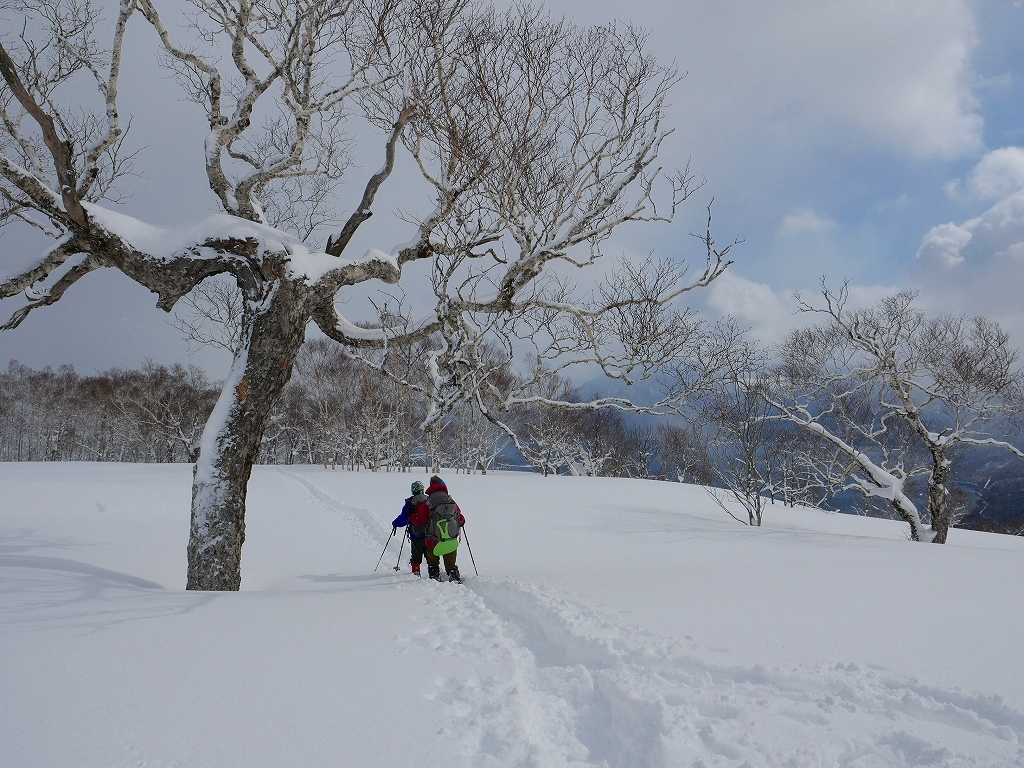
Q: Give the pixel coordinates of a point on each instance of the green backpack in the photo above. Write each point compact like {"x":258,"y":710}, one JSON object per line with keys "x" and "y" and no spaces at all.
{"x":444,"y":525}
{"x":446,"y":543}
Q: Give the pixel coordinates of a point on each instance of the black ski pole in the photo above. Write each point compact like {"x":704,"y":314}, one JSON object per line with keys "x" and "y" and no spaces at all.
{"x":398,"y":565}
{"x":385,"y":549}
{"x":471,"y":558}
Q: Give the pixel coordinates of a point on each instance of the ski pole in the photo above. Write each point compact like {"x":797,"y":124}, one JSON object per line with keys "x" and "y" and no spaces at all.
{"x":385,"y":549}
{"x":398,"y":565}
{"x":471,"y":558}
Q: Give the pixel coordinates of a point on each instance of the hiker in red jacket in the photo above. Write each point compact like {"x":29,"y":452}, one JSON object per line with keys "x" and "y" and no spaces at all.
{"x":446,"y":519}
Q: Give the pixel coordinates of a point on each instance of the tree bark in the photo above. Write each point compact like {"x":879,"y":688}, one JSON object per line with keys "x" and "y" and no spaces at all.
{"x":233,"y":436}
{"x":938,"y":496}
{"x":903,"y":511}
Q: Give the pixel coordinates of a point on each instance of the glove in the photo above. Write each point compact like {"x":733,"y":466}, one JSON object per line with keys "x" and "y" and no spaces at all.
{"x":462,"y":519}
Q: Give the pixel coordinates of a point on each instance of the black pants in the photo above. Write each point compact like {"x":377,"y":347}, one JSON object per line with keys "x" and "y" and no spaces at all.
{"x":417,"y":547}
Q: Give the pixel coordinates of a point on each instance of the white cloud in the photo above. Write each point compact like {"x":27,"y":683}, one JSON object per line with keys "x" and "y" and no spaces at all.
{"x":893,"y":204}
{"x":998,"y":174}
{"x":754,"y":305}
{"x":1014,"y":253}
{"x":977,"y":267}
{"x":803,"y":221}
{"x":867,"y":295}
{"x":891,"y":74}
{"x":770,"y":312}
{"x":942,"y":245}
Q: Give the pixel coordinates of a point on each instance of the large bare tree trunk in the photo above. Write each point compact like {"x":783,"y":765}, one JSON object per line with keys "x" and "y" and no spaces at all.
{"x":231,"y":443}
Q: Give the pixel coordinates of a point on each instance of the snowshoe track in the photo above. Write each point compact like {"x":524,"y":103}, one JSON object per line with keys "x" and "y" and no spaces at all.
{"x":368,"y":526}
{"x":577,"y":687}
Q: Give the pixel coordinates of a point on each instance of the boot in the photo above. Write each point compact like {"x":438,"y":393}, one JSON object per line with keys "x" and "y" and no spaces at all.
{"x":434,"y":572}
{"x":415,"y":569}
{"x":453,"y":574}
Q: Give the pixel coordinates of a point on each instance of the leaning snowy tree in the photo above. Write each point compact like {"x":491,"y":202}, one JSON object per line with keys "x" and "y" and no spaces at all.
{"x":852,"y":444}
{"x":537,"y":139}
{"x":897,"y":393}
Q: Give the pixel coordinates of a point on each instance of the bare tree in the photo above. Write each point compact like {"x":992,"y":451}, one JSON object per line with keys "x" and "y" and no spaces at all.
{"x":539,"y":139}
{"x":598,"y":443}
{"x":740,"y":444}
{"x":212,"y":315}
{"x":545,"y":144}
{"x":479,"y":442}
{"x":895,"y":394}
{"x":853,"y":445}
{"x":643,"y":443}
{"x":151,"y":415}
{"x":680,"y":455}
{"x":539,"y":428}
{"x":170,"y":404}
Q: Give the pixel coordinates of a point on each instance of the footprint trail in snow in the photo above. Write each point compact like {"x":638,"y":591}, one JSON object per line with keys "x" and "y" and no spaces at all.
{"x":551,"y":682}
{"x":574,"y":686}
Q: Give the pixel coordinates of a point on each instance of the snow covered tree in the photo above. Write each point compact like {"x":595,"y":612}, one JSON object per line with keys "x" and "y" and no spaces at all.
{"x":598,"y":444}
{"x":328,"y":381}
{"x":151,"y":415}
{"x":538,"y":138}
{"x":477,"y":443}
{"x":893,"y":393}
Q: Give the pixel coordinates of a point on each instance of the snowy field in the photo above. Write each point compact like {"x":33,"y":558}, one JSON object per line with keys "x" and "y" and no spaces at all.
{"x":614,"y":623}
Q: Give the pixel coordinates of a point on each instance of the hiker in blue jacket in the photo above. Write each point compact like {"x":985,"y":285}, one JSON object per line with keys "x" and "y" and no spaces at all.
{"x":415,"y":516}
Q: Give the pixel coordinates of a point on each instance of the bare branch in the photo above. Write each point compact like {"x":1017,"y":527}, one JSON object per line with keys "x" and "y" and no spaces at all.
{"x":336,"y":245}
{"x":54,"y":294}
{"x":60,"y":149}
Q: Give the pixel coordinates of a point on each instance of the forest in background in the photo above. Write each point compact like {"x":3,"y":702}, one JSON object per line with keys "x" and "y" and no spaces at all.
{"x":339,"y":413}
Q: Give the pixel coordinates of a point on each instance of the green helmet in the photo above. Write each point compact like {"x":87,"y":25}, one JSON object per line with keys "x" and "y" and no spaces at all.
{"x":416,"y":488}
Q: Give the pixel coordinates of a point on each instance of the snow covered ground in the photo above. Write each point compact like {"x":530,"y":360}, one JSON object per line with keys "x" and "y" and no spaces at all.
{"x":615,"y":623}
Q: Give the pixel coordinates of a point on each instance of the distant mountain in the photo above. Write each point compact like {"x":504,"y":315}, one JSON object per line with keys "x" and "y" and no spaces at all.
{"x":642,"y":393}
{"x":995,"y":480}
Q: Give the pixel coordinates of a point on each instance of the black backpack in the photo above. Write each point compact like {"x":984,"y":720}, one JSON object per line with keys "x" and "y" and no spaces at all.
{"x":417,"y":531}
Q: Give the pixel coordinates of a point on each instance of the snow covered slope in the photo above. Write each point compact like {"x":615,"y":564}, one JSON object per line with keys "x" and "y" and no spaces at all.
{"x":614,"y":623}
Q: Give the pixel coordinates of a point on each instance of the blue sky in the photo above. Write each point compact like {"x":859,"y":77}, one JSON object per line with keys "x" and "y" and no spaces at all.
{"x":833,"y":134}
{"x":871,"y":140}
{"x":854,"y":134}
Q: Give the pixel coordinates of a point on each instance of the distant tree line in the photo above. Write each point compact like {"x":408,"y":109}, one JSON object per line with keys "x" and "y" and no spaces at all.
{"x":337,"y":411}
{"x":153,"y":414}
